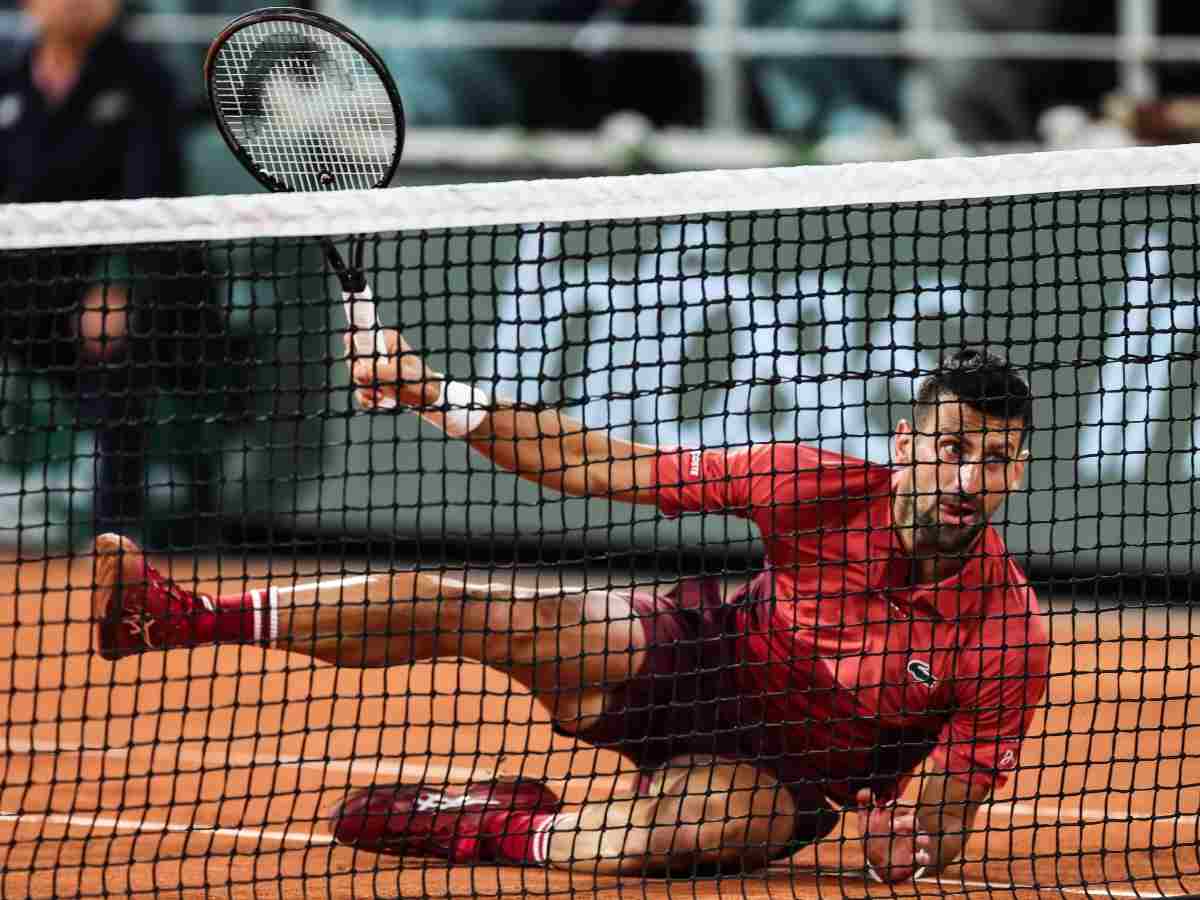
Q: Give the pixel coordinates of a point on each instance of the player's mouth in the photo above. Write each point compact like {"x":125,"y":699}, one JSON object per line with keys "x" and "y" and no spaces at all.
{"x":958,"y":513}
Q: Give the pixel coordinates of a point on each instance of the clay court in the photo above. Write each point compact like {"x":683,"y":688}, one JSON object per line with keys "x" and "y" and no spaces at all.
{"x":206,"y":773}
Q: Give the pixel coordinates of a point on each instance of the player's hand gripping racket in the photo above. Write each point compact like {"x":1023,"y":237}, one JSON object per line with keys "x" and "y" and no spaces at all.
{"x":307,"y":105}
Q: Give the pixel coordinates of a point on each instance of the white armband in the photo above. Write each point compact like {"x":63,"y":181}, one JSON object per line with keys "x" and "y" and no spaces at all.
{"x":463,"y":408}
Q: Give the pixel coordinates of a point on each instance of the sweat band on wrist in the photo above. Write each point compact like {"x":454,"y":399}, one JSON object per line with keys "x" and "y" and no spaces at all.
{"x":463,"y":408}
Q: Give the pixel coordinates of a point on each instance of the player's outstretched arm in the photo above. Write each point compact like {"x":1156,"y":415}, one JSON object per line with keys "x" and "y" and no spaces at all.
{"x":544,"y":446}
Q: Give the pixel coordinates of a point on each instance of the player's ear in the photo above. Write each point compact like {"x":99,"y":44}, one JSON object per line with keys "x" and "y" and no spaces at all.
{"x":902,"y":442}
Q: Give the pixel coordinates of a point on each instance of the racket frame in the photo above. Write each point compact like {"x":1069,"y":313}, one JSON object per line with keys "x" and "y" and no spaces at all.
{"x":357,"y":297}
{"x":315,"y":20}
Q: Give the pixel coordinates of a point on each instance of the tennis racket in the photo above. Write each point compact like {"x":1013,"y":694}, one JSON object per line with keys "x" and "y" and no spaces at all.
{"x":307,"y":105}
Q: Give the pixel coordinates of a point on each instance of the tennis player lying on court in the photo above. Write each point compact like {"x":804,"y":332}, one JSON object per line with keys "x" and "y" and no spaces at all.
{"x":889,"y":629}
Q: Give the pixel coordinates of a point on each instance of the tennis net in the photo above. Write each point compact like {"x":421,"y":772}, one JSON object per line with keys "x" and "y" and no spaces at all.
{"x":174,"y":372}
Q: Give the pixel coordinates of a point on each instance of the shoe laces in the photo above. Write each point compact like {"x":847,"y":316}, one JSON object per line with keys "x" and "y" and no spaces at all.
{"x":179,"y":602}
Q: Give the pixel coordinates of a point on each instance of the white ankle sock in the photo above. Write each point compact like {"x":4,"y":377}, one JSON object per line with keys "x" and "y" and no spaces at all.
{"x":539,"y":846}
{"x":265,"y":602}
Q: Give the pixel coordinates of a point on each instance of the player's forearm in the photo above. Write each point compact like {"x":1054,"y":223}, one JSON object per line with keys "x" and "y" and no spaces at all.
{"x":558,"y":451}
{"x":544,"y":446}
{"x":946,"y":811}
{"x":947,"y":844}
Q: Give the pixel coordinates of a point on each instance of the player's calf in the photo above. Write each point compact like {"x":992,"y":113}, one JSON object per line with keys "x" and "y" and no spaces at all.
{"x":709,"y":814}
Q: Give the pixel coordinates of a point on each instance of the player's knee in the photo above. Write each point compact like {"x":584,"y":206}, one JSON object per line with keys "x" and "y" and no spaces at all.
{"x":550,"y":627}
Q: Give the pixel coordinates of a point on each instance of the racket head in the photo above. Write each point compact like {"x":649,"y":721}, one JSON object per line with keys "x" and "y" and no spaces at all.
{"x":304,"y":102}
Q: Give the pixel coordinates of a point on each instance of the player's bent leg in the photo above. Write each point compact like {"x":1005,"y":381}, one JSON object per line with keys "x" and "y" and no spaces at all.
{"x":545,"y":637}
{"x":699,"y":814}
{"x":568,"y":647}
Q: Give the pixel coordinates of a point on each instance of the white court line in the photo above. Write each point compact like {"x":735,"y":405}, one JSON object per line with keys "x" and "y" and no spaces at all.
{"x":412,"y":771}
{"x":335,"y":583}
{"x":79,"y":820}
{"x":1060,"y":814}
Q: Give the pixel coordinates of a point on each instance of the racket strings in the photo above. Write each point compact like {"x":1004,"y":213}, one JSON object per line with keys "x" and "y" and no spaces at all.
{"x":307,"y":108}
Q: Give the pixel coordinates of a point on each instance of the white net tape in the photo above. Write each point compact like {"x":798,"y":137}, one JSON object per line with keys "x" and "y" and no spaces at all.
{"x":506,"y":203}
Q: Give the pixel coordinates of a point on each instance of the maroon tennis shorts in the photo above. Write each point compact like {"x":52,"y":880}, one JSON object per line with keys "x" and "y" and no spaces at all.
{"x":685,"y":699}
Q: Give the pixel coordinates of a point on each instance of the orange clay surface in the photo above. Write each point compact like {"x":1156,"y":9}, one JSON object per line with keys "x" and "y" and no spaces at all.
{"x":207,"y":773}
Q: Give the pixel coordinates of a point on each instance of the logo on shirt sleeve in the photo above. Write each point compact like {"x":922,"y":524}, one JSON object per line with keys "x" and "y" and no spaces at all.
{"x":921,"y":671}
{"x":1008,"y":759}
{"x":694,"y":463}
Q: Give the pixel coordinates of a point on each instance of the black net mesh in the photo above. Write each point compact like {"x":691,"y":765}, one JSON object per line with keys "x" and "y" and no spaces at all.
{"x":362,"y":658}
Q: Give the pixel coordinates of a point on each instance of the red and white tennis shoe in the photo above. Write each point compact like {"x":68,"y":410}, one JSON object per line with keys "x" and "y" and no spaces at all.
{"x":137,"y":609}
{"x":487,"y":821}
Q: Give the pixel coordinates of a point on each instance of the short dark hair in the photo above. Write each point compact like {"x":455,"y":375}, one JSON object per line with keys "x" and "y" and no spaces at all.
{"x":983,"y":381}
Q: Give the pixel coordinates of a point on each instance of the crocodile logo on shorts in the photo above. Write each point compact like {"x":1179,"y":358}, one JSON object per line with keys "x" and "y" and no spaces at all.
{"x":921,"y":671}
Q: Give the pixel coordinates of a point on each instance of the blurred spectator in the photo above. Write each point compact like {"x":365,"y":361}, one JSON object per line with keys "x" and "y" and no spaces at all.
{"x":580,"y":87}
{"x":818,"y":96}
{"x":1000,"y":100}
{"x":989,"y":99}
{"x":597,"y":77}
{"x":544,"y":89}
{"x":85,"y":114}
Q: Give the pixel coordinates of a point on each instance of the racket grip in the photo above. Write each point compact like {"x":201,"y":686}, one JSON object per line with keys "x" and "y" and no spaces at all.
{"x":368,"y":339}
{"x":360,"y":313}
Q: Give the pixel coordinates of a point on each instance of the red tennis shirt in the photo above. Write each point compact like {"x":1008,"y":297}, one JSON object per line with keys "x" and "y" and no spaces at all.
{"x":855,"y":672}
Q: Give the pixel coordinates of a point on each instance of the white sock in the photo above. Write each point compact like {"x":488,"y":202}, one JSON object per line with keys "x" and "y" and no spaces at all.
{"x":256,"y":603}
{"x":272,"y":616}
{"x":539,"y":846}
{"x":265,"y":603}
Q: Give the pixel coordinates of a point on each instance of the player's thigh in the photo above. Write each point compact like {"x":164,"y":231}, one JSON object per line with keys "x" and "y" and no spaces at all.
{"x":562,"y":645}
{"x":718,"y":810}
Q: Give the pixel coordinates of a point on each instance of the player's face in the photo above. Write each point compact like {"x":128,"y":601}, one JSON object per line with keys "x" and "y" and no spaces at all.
{"x":962,"y":465}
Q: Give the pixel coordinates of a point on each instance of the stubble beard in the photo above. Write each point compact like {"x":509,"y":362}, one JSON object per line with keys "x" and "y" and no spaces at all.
{"x":952,"y":539}
{"x":932,"y":536}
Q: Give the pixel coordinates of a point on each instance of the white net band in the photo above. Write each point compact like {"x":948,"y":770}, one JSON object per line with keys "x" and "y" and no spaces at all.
{"x":111,"y":223}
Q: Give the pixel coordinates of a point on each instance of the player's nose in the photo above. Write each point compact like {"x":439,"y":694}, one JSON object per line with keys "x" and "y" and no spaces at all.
{"x":969,"y":478}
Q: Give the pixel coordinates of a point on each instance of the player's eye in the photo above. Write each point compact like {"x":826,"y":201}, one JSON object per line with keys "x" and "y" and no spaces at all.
{"x":949,"y":451}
